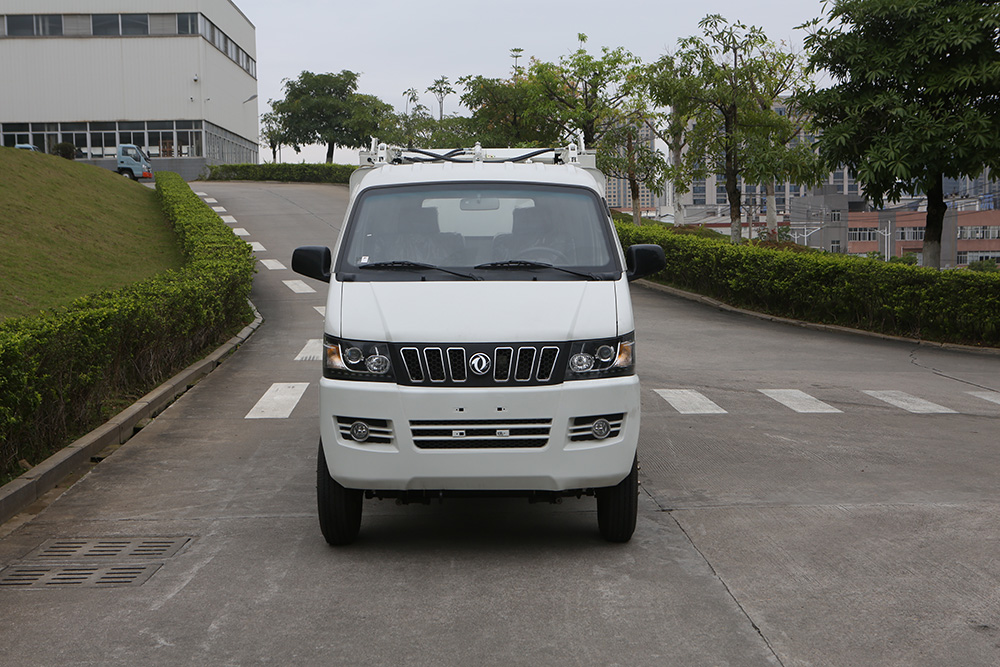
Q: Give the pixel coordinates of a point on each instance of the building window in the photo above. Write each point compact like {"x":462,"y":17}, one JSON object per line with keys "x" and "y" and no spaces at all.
{"x":135,"y":24}
{"x":22,"y":25}
{"x":105,"y":24}
{"x":835,"y":245}
{"x":862,"y":234}
{"x":187,"y":24}
{"x":834,"y":216}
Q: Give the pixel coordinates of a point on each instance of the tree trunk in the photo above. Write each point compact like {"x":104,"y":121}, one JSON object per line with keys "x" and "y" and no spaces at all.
{"x":676,"y":157}
{"x":329,"y":153}
{"x":936,"y":209}
{"x":633,"y":186}
{"x":732,"y":188}
{"x":772,"y":211}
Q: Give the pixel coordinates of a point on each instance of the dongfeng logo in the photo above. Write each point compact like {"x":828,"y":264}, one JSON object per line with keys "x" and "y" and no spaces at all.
{"x":480,"y":363}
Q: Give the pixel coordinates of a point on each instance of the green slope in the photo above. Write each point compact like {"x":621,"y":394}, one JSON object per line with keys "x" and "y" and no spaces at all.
{"x":69,"y":229}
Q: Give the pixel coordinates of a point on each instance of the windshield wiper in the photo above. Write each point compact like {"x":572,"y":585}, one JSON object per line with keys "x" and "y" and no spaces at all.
{"x":528,"y":264}
{"x":405,"y":264}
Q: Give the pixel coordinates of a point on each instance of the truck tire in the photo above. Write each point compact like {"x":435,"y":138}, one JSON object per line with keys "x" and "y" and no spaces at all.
{"x":617,"y":507}
{"x":339,"y":508}
{"x":127,"y":174}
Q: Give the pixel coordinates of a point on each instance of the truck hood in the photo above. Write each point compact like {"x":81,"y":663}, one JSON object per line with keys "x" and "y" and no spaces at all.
{"x":490,"y":311}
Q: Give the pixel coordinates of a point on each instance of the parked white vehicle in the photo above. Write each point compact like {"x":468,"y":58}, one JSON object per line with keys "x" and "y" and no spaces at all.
{"x":479,"y":336}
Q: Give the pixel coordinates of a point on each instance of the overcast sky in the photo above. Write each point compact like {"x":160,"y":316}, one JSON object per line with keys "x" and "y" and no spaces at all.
{"x":400,"y":44}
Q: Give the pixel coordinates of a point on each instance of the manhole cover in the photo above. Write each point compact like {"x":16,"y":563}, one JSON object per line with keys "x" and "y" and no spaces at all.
{"x":76,"y":576}
{"x":108,"y":549}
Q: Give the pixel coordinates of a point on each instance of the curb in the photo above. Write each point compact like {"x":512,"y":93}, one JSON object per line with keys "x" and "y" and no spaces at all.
{"x":32,"y":485}
{"x":708,"y":301}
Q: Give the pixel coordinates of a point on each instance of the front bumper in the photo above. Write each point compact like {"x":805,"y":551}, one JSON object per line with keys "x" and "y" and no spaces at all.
{"x":402,"y":457}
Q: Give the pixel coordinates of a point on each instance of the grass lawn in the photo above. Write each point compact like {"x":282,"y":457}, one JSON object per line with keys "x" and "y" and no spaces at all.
{"x":69,"y":229}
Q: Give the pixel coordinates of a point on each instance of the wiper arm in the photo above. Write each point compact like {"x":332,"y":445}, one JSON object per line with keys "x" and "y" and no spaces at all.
{"x":406,"y":264}
{"x":528,"y":264}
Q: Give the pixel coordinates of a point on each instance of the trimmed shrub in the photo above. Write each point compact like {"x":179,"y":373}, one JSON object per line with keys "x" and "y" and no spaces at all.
{"x":287,"y":173}
{"x":897,"y":299}
{"x":64,"y":150}
{"x":61,"y":368}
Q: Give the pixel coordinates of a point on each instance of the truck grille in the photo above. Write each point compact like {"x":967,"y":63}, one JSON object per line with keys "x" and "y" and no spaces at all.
{"x":480,"y":434}
{"x":480,"y":365}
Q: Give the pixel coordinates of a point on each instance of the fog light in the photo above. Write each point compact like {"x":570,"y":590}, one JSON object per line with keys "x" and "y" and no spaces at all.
{"x":359,"y":431}
{"x":601,"y":428}
{"x":581,"y":362}
{"x":377,"y":363}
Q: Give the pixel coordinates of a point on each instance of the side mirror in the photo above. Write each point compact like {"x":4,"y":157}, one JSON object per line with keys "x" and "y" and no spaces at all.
{"x":643,"y":259}
{"x":312,"y":261}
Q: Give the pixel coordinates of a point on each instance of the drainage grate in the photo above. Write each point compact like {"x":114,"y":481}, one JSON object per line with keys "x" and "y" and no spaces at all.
{"x":108,"y":549}
{"x":77,"y":576}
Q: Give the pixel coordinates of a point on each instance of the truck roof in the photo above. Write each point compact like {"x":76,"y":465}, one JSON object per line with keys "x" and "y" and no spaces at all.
{"x":443,"y":172}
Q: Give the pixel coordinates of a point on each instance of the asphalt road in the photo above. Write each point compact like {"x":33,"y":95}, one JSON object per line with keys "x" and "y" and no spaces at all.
{"x":800,"y":506}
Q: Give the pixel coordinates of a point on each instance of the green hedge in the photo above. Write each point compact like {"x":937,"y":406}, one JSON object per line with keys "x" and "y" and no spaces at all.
{"x":288,"y":173}
{"x":58,"y":370}
{"x":946,"y":306}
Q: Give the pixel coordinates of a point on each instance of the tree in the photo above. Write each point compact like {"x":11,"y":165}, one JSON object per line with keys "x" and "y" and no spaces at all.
{"x":505,"y":112}
{"x":723,"y":88}
{"x":316,"y":110}
{"x":441,"y":88}
{"x":272,"y":134}
{"x":581,"y":90}
{"x":915,"y":97}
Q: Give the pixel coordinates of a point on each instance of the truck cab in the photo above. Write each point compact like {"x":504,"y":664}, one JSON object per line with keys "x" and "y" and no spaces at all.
{"x":479,"y":337}
{"x":133,"y":163}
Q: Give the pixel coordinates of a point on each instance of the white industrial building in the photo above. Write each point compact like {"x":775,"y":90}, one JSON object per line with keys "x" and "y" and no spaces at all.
{"x":176,"y":77}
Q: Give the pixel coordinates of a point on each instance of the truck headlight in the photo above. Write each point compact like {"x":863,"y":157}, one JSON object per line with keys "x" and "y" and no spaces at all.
{"x":356,"y":360}
{"x":613,"y":357}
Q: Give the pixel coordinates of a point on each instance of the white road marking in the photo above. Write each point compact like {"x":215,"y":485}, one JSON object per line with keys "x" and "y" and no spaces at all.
{"x":239,"y":231}
{"x":201,"y":194}
{"x":219,"y":209}
{"x":689,"y":402}
{"x":273,"y":264}
{"x":321,"y":310}
{"x":256,"y":246}
{"x":313,"y":350}
{"x":278,"y":401}
{"x":991,"y":396}
{"x":909,"y":403}
{"x":211,"y":200}
{"x":798,"y":401}
{"x":298,"y":286}
{"x":228,"y":218}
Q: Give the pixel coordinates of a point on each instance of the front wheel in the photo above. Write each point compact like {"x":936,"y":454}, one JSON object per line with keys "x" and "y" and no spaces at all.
{"x":127,"y":173}
{"x":618,"y":505}
{"x":339,"y":508}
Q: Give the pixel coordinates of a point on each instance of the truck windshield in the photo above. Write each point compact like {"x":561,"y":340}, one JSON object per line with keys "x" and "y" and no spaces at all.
{"x":496,"y":231}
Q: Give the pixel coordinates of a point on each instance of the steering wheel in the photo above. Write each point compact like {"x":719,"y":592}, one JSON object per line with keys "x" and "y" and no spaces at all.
{"x":538,"y":253}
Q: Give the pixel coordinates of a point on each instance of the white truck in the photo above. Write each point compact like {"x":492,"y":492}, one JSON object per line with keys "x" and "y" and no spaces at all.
{"x":479,"y":336}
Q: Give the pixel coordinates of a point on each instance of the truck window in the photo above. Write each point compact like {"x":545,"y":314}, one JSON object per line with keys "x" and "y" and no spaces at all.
{"x":462,"y":226}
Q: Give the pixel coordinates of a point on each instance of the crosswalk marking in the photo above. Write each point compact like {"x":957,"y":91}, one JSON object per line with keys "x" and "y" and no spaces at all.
{"x":239,"y":231}
{"x":909,"y":403}
{"x":228,"y":218}
{"x":257,"y":246}
{"x":798,"y":400}
{"x":201,"y":194}
{"x":298,"y":286}
{"x":313,"y":350}
{"x":689,"y":402}
{"x":321,"y":310}
{"x":211,"y":200}
{"x":219,"y":209}
{"x":278,"y":401}
{"x":273,"y":264}
{"x":991,"y":396}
